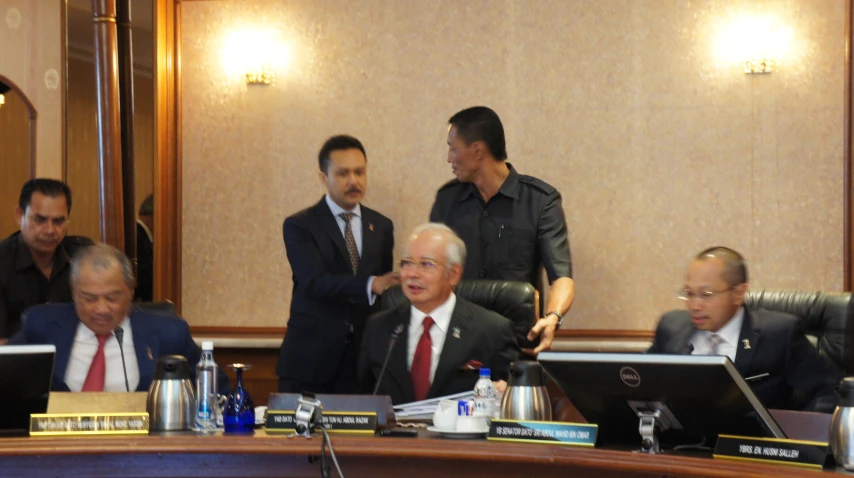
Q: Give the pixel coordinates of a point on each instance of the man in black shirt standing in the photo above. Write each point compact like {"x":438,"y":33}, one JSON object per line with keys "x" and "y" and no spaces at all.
{"x":34,"y":262}
{"x":511,"y":223}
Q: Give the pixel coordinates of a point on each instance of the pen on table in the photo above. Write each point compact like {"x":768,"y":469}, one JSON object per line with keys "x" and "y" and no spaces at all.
{"x":757,"y":377}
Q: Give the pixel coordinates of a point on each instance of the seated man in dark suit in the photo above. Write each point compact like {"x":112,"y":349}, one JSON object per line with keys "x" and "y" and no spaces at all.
{"x":88,"y":356}
{"x":768,"y":345}
{"x":440,"y":333}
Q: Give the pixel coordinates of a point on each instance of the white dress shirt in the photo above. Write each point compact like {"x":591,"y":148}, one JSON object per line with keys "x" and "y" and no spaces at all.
{"x":729,"y":334}
{"x":356,"y":227}
{"x":442,"y":320}
{"x":83,"y":352}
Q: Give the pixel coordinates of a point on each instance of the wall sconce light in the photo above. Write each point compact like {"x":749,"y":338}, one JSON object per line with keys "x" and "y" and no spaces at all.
{"x":255,"y":55}
{"x":262,"y":75}
{"x":3,"y":89}
{"x":757,"y":43}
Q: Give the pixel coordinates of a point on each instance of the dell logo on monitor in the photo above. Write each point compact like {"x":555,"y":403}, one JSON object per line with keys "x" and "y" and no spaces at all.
{"x":630,"y":377}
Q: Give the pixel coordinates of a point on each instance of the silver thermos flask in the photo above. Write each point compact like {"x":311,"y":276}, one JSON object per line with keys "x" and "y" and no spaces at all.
{"x":171,"y":403}
{"x":842,"y":425}
{"x":526,"y":397}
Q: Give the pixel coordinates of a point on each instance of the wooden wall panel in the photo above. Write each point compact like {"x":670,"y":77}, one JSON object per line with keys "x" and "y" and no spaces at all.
{"x":14,"y":157}
{"x":82,"y":167}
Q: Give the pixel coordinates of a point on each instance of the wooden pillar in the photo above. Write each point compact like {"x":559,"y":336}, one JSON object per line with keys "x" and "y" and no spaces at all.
{"x":109,"y":133}
{"x":126,"y":108}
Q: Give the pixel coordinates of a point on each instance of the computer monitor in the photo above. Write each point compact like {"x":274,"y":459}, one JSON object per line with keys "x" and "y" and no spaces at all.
{"x":25,"y":377}
{"x":697,"y":397}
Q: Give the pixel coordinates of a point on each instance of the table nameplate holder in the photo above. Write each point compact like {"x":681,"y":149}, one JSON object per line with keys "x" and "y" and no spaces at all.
{"x":347,"y":423}
{"x":801,"y":453}
{"x":532,"y":431}
{"x":71,"y":424}
{"x":379,"y":405}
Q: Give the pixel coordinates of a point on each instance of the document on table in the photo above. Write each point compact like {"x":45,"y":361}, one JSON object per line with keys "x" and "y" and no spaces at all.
{"x":425,"y":409}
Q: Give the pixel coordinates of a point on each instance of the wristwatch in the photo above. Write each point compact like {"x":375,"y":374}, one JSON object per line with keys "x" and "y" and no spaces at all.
{"x":559,"y":318}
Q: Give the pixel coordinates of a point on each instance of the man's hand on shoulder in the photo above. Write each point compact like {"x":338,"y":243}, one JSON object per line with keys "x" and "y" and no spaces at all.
{"x":383,"y":282}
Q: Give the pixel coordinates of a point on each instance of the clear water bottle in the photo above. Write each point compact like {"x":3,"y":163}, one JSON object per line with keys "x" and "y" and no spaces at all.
{"x":484,"y":395}
{"x":206,"y":387}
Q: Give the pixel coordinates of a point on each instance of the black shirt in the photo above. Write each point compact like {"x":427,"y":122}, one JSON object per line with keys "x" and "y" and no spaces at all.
{"x":509,"y":237}
{"x":22,"y":284}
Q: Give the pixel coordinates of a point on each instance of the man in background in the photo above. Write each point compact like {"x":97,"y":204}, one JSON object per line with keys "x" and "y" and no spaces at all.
{"x":512,"y":224}
{"x":769,"y":346}
{"x":34,"y":262}
{"x":341,"y":256}
{"x":145,"y":251}
{"x":87,"y":333}
{"x":441,"y":334}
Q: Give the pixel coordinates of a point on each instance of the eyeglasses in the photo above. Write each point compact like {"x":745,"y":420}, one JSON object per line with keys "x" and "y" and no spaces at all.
{"x":424,"y":265}
{"x":704,"y":296}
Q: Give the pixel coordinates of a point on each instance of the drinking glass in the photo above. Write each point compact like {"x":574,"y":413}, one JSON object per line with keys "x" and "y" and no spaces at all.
{"x":239,"y":415}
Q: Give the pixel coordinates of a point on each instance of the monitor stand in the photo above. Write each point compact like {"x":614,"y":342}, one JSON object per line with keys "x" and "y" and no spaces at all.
{"x":651,"y":422}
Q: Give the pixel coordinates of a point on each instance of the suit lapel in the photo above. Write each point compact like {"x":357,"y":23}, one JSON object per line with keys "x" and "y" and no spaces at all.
{"x":397,"y":370}
{"x":330,"y":226}
{"x":146,"y":343}
{"x":454,"y":349}
{"x":743,"y":352}
{"x":66,"y":330}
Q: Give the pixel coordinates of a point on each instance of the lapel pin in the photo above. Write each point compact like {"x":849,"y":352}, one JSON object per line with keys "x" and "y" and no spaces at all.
{"x":371,"y":227}
{"x":148,"y":352}
{"x":456,"y":332}
{"x":746,"y":344}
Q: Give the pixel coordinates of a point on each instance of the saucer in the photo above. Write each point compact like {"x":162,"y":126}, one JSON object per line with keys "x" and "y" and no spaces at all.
{"x":459,"y":435}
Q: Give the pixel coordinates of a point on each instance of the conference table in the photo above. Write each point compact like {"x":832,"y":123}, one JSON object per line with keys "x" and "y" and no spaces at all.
{"x":186,"y":454}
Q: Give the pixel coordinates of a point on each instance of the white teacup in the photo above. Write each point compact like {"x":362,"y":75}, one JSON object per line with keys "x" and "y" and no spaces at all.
{"x":471,"y":424}
{"x":445,"y":417}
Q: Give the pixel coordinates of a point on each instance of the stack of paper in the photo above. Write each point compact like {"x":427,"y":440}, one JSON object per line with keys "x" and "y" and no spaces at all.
{"x":426,"y":408}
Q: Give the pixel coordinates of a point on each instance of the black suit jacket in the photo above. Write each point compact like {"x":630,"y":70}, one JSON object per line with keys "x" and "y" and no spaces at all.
{"x":484,"y":336}
{"x":154,"y":335}
{"x":799,"y":378}
{"x":327,"y":298}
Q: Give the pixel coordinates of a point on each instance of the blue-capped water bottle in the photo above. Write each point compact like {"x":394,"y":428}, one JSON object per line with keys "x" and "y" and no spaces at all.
{"x":207,"y":407}
{"x":484,"y":395}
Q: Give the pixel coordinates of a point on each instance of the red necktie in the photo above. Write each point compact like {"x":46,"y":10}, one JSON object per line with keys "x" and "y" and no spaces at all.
{"x":420,"y":370}
{"x":98,"y":370}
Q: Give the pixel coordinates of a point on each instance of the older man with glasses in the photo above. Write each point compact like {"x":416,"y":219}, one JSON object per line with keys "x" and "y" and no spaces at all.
{"x":442,"y":340}
{"x":768,"y":348}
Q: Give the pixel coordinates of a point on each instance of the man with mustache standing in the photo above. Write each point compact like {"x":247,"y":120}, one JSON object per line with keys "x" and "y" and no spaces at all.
{"x":341,"y":254}
{"x":34,"y":262}
{"x":512,"y":224}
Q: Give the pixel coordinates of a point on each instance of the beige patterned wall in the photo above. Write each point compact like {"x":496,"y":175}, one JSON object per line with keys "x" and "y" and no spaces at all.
{"x":31,"y":57}
{"x":660,"y":146}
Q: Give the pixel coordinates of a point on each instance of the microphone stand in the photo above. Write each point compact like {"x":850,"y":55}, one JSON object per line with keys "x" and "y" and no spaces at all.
{"x":395,"y":336}
{"x":120,"y":334}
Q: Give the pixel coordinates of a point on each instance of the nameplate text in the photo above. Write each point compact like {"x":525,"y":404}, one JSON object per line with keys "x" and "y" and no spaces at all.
{"x":284,"y":421}
{"x":530,"y":431}
{"x":88,"y":424}
{"x":808,"y":454}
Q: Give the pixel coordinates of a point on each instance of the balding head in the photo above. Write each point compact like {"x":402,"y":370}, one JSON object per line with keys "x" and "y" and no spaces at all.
{"x":735,"y":268}
{"x":102,"y":287}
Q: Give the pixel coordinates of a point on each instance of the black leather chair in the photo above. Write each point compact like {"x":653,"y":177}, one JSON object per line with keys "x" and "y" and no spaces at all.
{"x":825,"y":315}
{"x":162,"y":307}
{"x":518,"y":301}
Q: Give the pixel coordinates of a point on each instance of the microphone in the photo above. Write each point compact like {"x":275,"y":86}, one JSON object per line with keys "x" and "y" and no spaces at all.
{"x":689,"y":349}
{"x":120,"y":334}
{"x":392,"y":340}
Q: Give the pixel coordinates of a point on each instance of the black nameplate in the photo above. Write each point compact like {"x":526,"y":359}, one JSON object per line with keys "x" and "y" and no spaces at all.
{"x":808,"y":454}
{"x":532,"y":431}
{"x":336,"y":422}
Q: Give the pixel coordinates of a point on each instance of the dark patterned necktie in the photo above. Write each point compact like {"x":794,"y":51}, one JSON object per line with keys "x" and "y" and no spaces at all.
{"x":351,"y":241}
{"x":715,"y":342}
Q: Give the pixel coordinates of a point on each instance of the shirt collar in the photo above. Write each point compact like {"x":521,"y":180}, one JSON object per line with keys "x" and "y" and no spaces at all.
{"x":441,"y":315}
{"x":509,"y":188}
{"x":24,"y":259}
{"x":147,"y":231}
{"x":338,"y":210}
{"x":732,"y":329}
{"x":85,"y":333}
